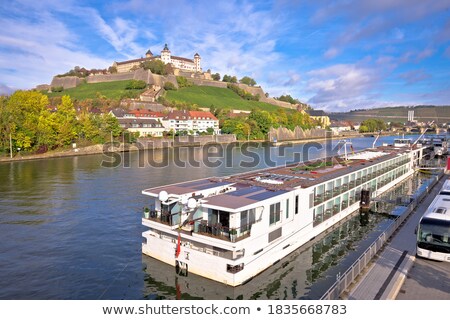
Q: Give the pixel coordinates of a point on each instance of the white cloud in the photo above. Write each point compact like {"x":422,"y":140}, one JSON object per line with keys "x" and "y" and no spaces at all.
{"x":342,"y":86}
{"x":35,"y":50}
{"x":331,"y":53}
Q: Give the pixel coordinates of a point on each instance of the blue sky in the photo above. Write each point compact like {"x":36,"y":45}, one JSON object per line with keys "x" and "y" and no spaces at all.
{"x":334,"y":55}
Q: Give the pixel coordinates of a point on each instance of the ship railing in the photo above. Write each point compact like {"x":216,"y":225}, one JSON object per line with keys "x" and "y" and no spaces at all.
{"x":216,"y":230}
{"x":164,"y":217}
{"x":328,"y":214}
{"x":318,"y":199}
{"x":335,"y":209}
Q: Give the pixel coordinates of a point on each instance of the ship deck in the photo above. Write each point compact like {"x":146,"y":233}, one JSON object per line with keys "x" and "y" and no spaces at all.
{"x":265,"y":183}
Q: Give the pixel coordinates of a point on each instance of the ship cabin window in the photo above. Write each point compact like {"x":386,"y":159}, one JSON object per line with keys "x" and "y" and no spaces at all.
{"x":287,"y":208}
{"x":296,"y":204}
{"x":219,"y":218}
{"x":247,"y":219}
{"x":318,"y":215}
{"x":274,"y":213}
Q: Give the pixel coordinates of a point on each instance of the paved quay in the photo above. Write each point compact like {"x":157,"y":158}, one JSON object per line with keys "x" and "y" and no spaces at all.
{"x":389,"y":277}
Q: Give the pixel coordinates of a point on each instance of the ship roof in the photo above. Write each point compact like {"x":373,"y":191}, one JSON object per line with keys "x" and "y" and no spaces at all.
{"x":241,"y":190}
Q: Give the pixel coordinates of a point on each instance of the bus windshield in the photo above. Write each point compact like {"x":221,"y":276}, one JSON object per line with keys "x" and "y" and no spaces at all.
{"x":434,"y":235}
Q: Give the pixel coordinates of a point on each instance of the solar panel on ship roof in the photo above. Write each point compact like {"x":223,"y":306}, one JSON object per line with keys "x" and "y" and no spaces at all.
{"x":266,"y":195}
{"x":210,"y":184}
{"x":245,"y":191}
{"x":193,"y":183}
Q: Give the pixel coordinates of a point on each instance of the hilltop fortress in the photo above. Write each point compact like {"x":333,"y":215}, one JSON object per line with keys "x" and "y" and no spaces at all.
{"x":185,"y":64}
{"x":185,"y":67}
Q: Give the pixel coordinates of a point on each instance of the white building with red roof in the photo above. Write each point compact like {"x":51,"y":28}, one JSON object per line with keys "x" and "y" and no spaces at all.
{"x":196,"y":121}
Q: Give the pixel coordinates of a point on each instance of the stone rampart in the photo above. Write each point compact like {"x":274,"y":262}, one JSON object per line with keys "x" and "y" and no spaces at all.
{"x":66,"y":82}
{"x":284,"y":134}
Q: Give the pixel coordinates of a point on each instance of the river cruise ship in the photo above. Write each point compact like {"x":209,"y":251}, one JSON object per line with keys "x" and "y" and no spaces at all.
{"x":229,"y":229}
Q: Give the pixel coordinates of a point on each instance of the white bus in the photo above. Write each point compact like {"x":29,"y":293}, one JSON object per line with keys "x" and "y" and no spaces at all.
{"x":433,"y":232}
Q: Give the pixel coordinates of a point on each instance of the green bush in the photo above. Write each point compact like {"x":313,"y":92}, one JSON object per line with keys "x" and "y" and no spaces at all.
{"x":169,"y":86}
{"x":136,"y":84}
{"x":57,"y":89}
{"x":183,"y":82}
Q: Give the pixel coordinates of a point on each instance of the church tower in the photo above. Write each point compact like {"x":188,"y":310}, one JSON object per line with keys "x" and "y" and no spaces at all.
{"x":197,"y":61}
{"x":165,"y":55}
{"x":148,"y":54}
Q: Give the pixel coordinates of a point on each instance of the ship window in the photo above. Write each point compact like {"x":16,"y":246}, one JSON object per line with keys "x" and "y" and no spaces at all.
{"x":296,"y":204}
{"x":236,"y":268}
{"x":287,"y":208}
{"x":274,"y":213}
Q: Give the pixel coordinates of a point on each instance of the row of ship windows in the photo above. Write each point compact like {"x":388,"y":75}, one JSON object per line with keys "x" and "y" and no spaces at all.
{"x":332,"y":207}
{"x":333,"y":188}
{"x":343,"y":199}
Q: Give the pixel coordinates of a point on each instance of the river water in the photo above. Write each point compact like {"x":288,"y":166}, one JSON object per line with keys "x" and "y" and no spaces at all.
{"x":70,"y":228}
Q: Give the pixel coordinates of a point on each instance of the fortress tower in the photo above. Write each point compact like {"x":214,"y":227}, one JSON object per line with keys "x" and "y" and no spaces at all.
{"x":165,"y":55}
{"x":197,"y":61}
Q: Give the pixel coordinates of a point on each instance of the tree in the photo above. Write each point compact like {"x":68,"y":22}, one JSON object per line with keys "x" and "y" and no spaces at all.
{"x":216,"y":76}
{"x":112,"y":69}
{"x":263,"y":119}
{"x":65,"y":122}
{"x":248,"y":81}
{"x":155,"y":66}
{"x":288,"y":98}
{"x":372,"y":125}
{"x":22,"y":112}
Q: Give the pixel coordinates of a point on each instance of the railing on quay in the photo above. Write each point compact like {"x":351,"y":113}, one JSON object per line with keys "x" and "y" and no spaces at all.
{"x":349,"y":276}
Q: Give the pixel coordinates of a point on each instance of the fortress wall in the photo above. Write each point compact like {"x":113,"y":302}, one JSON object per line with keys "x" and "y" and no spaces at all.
{"x":66,"y":82}
{"x":211,"y":83}
{"x":283,"y":134}
{"x":136,"y":104}
{"x":279,"y":103}
{"x":110,"y":77}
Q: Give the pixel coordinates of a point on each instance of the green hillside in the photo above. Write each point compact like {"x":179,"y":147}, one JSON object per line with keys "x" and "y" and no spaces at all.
{"x":111,"y":90}
{"x":204,"y":96}
{"x":439,"y":114}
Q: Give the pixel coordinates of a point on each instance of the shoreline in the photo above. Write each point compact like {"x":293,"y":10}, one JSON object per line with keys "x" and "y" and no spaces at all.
{"x":101,"y":148}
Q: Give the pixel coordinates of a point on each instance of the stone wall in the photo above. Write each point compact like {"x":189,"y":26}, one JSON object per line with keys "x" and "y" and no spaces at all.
{"x":136,"y":104}
{"x":211,"y":83}
{"x":158,"y":143}
{"x":110,"y":77}
{"x":283,"y":134}
{"x":66,"y":82}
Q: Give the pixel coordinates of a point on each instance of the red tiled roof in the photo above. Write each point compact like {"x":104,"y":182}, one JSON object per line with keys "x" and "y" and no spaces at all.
{"x":145,"y":113}
{"x":205,"y":115}
{"x":181,"y":58}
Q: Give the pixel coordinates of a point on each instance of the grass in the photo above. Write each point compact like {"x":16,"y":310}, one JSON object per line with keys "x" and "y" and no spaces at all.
{"x":111,"y":90}
{"x":205,"y":96}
